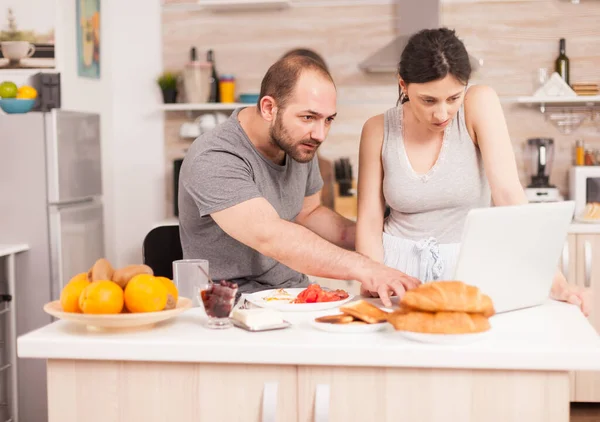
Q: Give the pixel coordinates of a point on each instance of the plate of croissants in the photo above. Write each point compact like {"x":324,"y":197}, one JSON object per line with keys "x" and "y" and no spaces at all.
{"x":443,"y":312}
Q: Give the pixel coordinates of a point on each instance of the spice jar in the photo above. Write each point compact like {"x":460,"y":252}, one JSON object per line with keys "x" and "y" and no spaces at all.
{"x":589,"y":158}
{"x":227,"y":89}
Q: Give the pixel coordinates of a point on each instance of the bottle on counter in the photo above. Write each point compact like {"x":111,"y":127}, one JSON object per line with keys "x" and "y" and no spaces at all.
{"x":579,"y":153}
{"x":214,"y":79}
{"x":561,"y":65}
{"x":227,"y":89}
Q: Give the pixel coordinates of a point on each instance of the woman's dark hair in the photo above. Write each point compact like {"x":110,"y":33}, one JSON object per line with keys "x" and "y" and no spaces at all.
{"x":431,"y":54}
{"x":305,"y":52}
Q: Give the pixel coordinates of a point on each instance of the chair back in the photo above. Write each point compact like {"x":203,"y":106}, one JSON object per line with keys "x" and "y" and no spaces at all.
{"x":162,"y":246}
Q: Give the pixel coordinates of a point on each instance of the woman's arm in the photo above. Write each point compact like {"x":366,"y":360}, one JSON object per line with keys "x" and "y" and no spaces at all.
{"x":486,"y":124}
{"x":371,"y":205}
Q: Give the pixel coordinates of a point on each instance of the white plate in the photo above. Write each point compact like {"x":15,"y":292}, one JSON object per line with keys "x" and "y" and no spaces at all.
{"x":280,"y":305}
{"x":443,"y":338}
{"x":349,"y":328}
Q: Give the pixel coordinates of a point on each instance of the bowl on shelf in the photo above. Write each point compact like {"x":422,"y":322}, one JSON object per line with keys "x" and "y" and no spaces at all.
{"x":16,"y":105}
{"x":249,"y":98}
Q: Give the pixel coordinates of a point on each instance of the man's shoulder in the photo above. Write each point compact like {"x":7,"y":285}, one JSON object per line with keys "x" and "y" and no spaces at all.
{"x":221,"y":141}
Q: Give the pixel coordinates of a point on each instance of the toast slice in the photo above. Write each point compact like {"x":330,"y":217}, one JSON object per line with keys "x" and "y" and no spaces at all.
{"x":365,"y":311}
{"x":336,"y":319}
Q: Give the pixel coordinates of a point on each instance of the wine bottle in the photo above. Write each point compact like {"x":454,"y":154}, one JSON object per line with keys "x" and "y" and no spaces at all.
{"x":562,"y":62}
{"x":214,"y":79}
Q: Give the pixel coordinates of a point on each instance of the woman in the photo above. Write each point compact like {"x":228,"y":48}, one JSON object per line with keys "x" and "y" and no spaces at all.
{"x":444,"y":150}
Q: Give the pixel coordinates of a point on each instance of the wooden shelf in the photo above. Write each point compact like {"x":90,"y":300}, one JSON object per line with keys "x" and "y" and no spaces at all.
{"x":575,"y":101}
{"x":230,"y":5}
{"x":203,"y":106}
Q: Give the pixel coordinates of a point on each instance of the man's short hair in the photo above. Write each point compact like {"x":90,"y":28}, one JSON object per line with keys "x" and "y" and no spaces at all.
{"x":281,"y":78}
{"x":305,"y":52}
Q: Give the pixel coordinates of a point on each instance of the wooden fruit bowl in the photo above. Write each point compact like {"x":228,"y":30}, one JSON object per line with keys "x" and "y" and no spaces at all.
{"x":125,"y":321}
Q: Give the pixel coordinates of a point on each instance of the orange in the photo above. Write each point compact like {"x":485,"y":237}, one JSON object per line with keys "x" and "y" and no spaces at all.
{"x":145,"y":293}
{"x":27,"y":92}
{"x":171,"y":287}
{"x":101,"y":297}
{"x":69,"y":296}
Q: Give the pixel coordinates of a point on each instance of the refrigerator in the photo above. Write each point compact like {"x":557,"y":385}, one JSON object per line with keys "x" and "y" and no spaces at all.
{"x":50,"y":199}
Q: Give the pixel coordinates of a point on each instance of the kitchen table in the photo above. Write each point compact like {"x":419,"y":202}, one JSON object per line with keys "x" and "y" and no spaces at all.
{"x":181,"y":371}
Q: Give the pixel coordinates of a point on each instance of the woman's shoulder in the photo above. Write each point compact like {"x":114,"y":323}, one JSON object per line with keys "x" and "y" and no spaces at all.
{"x":479,"y":99}
{"x":374,"y":122}
{"x":479,"y":95}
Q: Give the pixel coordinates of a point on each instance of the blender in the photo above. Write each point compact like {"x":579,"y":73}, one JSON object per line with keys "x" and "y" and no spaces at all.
{"x":541,"y":154}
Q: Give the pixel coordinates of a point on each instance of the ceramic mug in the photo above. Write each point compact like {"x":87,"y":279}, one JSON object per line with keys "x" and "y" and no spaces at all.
{"x":17,"y":50}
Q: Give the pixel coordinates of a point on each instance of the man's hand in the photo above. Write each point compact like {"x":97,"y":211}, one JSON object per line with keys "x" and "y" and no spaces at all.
{"x":565,"y":292}
{"x":381,"y":281}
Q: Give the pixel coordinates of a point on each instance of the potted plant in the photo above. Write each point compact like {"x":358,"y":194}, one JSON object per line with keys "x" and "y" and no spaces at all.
{"x":168,"y":85}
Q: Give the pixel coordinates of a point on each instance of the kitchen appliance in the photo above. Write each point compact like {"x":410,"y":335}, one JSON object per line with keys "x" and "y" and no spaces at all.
{"x":540,"y":153}
{"x":584,"y":186}
{"x":51,"y":184}
{"x":409,"y":17}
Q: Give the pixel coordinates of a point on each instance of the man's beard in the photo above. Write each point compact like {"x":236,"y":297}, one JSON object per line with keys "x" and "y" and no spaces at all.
{"x":281,"y":138}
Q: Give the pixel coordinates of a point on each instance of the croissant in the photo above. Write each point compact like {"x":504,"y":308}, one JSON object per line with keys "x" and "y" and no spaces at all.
{"x":448,"y":296}
{"x":439,"y":322}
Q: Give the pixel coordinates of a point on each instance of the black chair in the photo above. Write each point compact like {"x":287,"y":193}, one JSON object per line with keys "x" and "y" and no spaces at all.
{"x":161,"y":247}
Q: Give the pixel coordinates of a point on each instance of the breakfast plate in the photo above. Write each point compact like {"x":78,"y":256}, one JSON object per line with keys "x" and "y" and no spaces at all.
{"x":351,"y":328}
{"x":450,"y":339}
{"x":121,"y":321}
{"x":283,"y":300}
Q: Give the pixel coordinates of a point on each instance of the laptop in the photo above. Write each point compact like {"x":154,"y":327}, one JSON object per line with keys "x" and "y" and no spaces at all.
{"x":512,"y":252}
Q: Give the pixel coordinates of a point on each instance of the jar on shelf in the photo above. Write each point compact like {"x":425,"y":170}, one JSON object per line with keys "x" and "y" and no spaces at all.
{"x":227,"y":89}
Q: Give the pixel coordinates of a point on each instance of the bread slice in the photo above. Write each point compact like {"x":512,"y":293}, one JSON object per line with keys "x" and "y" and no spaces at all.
{"x":336,"y":319}
{"x":439,"y":322}
{"x":365,"y":311}
{"x":445,"y":296}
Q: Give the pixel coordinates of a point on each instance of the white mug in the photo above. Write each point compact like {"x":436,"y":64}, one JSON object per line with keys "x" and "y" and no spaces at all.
{"x":17,"y":50}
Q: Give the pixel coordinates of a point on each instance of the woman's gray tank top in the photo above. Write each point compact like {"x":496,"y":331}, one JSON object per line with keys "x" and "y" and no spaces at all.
{"x":434,"y":204}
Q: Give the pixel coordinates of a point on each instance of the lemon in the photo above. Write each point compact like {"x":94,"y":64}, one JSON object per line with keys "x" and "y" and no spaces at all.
{"x":27,"y":92}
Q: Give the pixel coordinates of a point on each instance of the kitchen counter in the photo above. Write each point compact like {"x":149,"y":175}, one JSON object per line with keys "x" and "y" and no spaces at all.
{"x":6,"y":249}
{"x":182,"y":371}
{"x":555,"y":336}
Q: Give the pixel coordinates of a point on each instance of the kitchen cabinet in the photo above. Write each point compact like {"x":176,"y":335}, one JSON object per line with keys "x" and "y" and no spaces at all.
{"x":580,"y":263}
{"x":340,"y":394}
{"x":158,"y":392}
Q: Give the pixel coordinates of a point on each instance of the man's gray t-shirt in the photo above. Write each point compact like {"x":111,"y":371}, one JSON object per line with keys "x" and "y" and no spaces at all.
{"x":222,"y":168}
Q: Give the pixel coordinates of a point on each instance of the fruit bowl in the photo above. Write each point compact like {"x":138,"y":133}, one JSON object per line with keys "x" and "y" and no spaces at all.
{"x":16,"y":105}
{"x":123,"y":321}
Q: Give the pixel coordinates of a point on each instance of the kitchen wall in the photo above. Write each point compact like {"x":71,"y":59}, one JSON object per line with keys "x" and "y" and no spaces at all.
{"x":131,"y":123}
{"x":513,"y":37}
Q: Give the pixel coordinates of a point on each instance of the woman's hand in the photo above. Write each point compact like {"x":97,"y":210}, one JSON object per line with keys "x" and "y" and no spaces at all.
{"x":565,"y":292}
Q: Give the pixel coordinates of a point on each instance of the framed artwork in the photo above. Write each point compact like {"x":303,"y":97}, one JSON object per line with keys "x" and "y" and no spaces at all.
{"x":88,"y":38}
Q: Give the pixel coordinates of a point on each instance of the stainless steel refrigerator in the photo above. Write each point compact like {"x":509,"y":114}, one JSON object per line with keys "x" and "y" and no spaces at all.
{"x":51,"y":199}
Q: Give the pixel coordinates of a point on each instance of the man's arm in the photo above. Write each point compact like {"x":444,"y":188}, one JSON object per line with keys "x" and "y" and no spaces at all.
{"x":326,"y":223}
{"x":256,"y":224}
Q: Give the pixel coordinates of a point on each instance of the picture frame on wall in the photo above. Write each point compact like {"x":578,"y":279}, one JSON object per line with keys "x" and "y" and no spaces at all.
{"x":88,"y":38}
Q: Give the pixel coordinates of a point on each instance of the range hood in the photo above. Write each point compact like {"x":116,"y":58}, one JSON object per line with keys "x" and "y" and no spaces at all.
{"x":411,"y":16}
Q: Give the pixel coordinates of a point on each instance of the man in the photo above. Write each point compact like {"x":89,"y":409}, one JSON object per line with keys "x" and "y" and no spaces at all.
{"x":249,"y":192}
